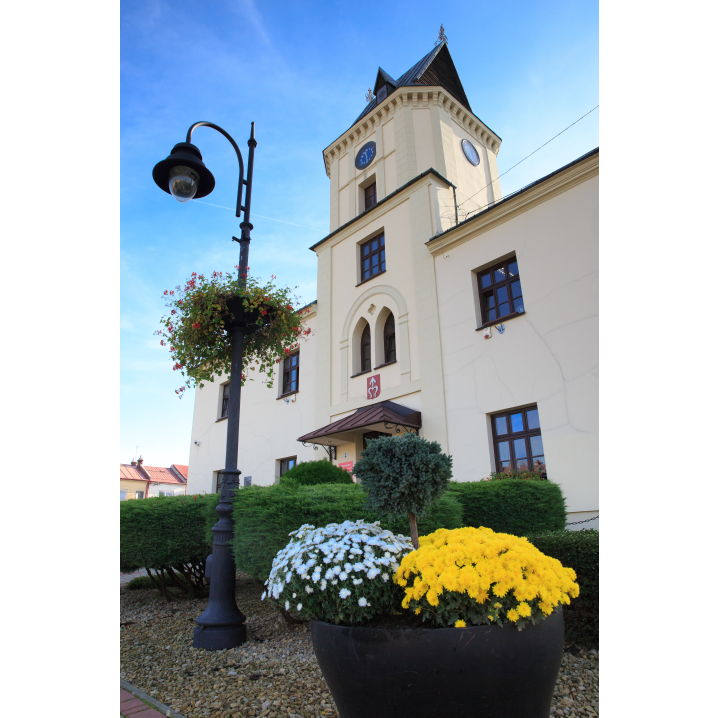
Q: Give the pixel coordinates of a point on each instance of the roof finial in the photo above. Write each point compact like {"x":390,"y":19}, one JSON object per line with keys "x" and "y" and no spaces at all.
{"x":442,"y":37}
{"x":369,"y":95}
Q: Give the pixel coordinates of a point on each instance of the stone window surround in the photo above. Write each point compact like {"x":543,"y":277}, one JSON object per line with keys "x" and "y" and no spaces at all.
{"x":397,"y":305}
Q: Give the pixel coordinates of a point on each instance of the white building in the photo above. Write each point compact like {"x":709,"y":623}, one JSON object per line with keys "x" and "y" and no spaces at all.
{"x":441,"y":307}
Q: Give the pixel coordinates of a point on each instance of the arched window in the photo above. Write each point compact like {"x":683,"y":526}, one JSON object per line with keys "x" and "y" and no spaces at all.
{"x":366,"y":349}
{"x":389,"y":340}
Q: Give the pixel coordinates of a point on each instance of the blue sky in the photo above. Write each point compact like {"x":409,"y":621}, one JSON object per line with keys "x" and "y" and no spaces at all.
{"x":300,"y":72}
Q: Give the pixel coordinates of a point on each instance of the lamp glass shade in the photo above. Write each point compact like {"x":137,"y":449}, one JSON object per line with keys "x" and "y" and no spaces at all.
{"x":183,"y":183}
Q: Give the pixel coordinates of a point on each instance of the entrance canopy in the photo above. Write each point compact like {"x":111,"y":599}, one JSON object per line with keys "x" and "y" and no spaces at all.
{"x":383,"y":416}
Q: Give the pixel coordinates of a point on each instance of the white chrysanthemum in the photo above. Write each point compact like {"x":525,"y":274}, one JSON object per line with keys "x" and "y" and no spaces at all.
{"x":385,"y":576}
{"x":344,"y":593}
{"x":362,"y":602}
{"x":323,"y":585}
{"x":357,"y":581}
{"x":299,"y":607}
{"x":264,"y":595}
{"x":309,"y":589}
{"x":335,"y":582}
{"x":286,"y":605}
{"x":348,"y":567}
{"x":372,"y":573}
{"x":294,"y":595}
{"x":358,"y":567}
{"x":343,"y":576}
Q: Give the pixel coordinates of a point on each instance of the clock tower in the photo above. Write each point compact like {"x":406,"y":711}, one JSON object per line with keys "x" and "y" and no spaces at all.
{"x":420,"y":121}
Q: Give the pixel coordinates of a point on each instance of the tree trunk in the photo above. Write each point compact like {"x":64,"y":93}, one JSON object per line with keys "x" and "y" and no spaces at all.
{"x":414,"y":530}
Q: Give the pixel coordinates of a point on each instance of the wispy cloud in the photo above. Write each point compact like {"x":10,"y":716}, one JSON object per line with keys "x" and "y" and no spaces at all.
{"x":252,"y":14}
{"x":303,"y":226}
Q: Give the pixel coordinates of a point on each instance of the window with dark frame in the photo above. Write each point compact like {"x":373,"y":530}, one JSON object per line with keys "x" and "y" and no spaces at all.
{"x":517,"y":441}
{"x":370,"y":196}
{"x":139,"y":494}
{"x":389,"y":340}
{"x":225,"y":400}
{"x":500,"y":291}
{"x":290,"y":382}
{"x":286,"y":464}
{"x":365,"y":351}
{"x":218,"y":482}
{"x":373,"y":260}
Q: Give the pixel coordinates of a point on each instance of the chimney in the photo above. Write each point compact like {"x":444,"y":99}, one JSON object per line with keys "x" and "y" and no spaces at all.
{"x":133,"y":463}
{"x":139,"y":461}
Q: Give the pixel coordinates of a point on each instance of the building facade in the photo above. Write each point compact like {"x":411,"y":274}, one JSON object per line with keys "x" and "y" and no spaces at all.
{"x":442,"y":307}
{"x":138,"y":481}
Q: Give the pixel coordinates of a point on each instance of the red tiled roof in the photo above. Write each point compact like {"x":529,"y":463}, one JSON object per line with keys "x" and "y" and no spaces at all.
{"x":386,"y":411}
{"x":162,"y":475}
{"x":130,"y":473}
{"x":177,"y":474}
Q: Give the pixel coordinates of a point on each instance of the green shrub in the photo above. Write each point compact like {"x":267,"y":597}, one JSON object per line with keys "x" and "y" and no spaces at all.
{"x":512,"y":506}
{"x":523,"y":475}
{"x":310,"y":473}
{"x":579,"y":550}
{"x":403,"y":476}
{"x":167,"y":534}
{"x":264,"y":516}
{"x":145,"y":582}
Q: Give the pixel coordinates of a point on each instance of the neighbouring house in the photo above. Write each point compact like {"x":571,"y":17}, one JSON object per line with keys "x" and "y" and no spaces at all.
{"x":442,"y":307}
{"x":138,"y":481}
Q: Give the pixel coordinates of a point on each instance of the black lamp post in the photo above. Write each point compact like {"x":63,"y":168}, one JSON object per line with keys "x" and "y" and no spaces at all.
{"x":184,"y":175}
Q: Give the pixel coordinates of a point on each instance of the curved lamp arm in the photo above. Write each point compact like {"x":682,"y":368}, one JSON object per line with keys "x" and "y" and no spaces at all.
{"x":236,"y":149}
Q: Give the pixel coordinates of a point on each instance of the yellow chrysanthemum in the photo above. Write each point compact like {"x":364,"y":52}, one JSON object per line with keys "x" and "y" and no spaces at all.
{"x":460,"y":624}
{"x":524,"y":609}
{"x":512,"y":614}
{"x":417,"y":611}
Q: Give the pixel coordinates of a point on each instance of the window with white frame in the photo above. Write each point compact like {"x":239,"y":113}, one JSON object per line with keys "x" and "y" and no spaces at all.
{"x":123,"y":494}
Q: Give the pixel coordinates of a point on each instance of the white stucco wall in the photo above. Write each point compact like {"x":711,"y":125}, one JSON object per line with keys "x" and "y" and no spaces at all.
{"x":547,"y":356}
{"x":268,"y":426}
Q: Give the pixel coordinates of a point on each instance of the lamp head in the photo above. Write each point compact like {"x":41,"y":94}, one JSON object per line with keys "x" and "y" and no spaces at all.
{"x":183,"y":174}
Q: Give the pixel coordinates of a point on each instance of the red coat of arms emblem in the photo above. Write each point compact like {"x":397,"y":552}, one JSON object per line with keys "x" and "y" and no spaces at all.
{"x":373,"y":386}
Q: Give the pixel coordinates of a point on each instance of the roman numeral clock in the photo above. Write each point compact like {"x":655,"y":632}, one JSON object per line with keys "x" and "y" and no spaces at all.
{"x":365,"y":155}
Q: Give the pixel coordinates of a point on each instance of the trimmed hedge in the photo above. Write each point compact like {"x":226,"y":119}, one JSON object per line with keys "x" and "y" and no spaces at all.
{"x":511,"y":506}
{"x":310,"y":473}
{"x":264,"y":517}
{"x":579,"y":550}
{"x":167,"y":534}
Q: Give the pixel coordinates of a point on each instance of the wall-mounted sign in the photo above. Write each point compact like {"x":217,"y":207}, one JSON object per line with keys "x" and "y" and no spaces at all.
{"x":373,"y":386}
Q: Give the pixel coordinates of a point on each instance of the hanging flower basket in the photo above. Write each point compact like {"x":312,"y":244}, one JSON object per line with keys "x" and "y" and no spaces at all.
{"x":202,"y":314}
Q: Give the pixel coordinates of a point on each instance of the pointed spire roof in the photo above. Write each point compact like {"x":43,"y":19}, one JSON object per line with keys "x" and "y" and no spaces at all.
{"x":435,"y":68}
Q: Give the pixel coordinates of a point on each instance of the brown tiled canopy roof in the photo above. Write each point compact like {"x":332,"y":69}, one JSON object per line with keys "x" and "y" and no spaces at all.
{"x":385,"y":411}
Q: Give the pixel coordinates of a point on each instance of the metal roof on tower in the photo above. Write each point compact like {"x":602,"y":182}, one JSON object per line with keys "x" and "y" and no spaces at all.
{"x":435,"y":68}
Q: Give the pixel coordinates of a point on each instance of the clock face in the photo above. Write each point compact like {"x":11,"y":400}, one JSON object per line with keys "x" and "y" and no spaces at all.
{"x":365,"y":155}
{"x":470,"y":152}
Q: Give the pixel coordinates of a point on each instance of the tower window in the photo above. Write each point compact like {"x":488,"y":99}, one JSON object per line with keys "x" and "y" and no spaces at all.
{"x":369,"y":196}
{"x":225,"y":401}
{"x":389,"y":340}
{"x":373,"y":260}
{"x":366,"y":349}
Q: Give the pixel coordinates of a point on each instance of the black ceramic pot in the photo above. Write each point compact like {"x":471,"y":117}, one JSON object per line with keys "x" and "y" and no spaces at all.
{"x":476,"y":672}
{"x":246,"y":318}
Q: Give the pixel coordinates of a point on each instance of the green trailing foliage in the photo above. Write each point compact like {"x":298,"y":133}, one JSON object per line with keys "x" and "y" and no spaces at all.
{"x":511,"y":506}
{"x":403,"y":476}
{"x":167,"y":534}
{"x":579,"y":550}
{"x":310,"y":473}
{"x":265,"y":515}
{"x":146,"y":582}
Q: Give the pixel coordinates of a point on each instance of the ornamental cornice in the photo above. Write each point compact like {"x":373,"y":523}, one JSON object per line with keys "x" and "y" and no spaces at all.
{"x":516,"y":204}
{"x":413,"y":96}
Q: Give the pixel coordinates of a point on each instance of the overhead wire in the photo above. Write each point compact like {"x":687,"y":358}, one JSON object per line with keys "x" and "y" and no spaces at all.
{"x":523,"y":160}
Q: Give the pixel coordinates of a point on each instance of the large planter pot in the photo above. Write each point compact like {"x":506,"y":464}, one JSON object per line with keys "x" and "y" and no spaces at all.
{"x":246,"y":318}
{"x":476,"y":672}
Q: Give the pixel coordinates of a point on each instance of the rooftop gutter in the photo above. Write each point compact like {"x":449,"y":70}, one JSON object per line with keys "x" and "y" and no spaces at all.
{"x":431,"y":170}
{"x":513,"y":194}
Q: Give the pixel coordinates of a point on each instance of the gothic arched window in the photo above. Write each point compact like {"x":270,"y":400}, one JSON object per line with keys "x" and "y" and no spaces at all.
{"x":366,"y":349}
{"x":389,"y":340}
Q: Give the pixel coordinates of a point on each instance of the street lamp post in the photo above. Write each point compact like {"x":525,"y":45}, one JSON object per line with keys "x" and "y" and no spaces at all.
{"x":184,"y":175}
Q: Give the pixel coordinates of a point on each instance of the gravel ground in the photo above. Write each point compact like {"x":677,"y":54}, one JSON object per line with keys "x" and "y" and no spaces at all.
{"x":275,"y":673}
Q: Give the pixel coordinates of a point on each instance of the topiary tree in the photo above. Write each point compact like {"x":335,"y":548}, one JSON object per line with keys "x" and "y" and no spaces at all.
{"x":309,"y":473}
{"x":403,"y":475}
